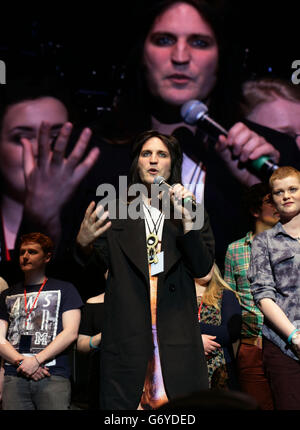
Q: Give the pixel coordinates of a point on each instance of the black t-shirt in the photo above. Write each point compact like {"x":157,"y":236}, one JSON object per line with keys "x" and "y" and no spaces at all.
{"x":92,"y":319}
{"x":44,"y":322}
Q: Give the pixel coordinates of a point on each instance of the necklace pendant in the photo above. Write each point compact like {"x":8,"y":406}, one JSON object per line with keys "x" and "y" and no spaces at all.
{"x":152,"y":240}
{"x":152,"y":257}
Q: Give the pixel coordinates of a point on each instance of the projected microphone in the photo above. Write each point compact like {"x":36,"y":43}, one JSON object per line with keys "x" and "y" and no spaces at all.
{"x":195,"y":112}
{"x":160,"y":181}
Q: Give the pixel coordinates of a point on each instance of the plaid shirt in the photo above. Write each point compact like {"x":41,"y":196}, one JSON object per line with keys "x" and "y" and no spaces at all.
{"x":237,"y":261}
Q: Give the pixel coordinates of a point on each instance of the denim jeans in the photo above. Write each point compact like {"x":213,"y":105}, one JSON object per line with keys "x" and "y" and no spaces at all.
{"x":50,"y":393}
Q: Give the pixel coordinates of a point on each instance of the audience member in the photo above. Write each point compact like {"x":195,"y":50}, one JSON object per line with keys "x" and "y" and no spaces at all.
{"x":150,"y":308}
{"x":219,"y":314}
{"x":274,"y":276}
{"x":252,"y":376}
{"x":88,"y":341}
{"x":39,"y":320}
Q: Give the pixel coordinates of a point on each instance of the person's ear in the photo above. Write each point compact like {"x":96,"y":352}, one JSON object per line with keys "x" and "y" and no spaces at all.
{"x":48,"y":257}
{"x":255,"y":214}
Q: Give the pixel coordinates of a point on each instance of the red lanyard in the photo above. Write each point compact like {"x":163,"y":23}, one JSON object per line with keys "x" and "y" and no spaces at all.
{"x":6,"y":250}
{"x":199,"y":310}
{"x":34,"y":303}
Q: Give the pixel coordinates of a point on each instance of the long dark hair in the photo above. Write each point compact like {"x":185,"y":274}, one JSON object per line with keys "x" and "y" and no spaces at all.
{"x":252,"y":201}
{"x":132,"y":110}
{"x":175,"y":152}
{"x":24,"y":90}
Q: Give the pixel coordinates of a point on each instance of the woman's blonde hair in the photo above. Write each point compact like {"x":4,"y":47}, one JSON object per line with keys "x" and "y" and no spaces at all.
{"x":215,"y":287}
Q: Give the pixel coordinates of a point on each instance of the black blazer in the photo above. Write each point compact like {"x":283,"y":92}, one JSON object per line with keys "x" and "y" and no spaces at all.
{"x":127,"y":334}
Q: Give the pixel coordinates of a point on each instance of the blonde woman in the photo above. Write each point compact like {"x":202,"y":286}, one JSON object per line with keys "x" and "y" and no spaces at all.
{"x":219,"y":314}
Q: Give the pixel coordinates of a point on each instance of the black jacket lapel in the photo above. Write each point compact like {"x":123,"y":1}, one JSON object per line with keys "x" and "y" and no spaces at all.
{"x":171,"y":253}
{"x":132,"y":240}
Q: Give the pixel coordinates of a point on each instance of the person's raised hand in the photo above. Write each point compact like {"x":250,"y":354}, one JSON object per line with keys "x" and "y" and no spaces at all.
{"x":92,"y":225}
{"x":51,"y":178}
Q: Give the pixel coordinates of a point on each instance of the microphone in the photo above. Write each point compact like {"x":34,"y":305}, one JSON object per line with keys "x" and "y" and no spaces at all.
{"x":195,"y":112}
{"x":161,"y":182}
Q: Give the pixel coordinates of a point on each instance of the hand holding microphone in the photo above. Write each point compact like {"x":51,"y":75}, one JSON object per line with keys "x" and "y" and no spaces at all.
{"x":236,"y":146}
{"x":183,"y":200}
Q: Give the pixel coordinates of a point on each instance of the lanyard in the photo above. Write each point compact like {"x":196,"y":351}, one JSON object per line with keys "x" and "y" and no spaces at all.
{"x":199,"y":311}
{"x":152,"y":238}
{"x":34,"y":303}
{"x":156,"y":224}
{"x":6,"y":250}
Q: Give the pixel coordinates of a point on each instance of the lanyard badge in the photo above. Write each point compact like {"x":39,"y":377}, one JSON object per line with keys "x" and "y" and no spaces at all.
{"x":25,"y":343}
{"x":28,"y":312}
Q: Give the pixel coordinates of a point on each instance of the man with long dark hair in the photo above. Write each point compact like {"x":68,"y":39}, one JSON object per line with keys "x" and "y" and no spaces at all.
{"x":151,"y":343}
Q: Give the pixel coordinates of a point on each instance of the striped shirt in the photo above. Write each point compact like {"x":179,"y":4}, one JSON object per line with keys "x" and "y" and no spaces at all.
{"x":237,"y":261}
